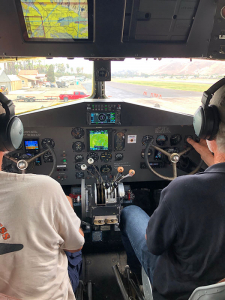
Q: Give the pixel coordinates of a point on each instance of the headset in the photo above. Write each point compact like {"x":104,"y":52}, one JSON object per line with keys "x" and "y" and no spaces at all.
{"x":207,"y":118}
{"x":11,"y":127}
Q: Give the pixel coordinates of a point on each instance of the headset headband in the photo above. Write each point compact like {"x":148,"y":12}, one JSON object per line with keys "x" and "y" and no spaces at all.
{"x":207,"y":95}
{"x":8,"y":106}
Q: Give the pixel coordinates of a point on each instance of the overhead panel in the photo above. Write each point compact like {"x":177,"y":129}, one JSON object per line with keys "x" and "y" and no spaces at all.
{"x":110,"y":28}
{"x":159,"y":21}
{"x":217,"y":41}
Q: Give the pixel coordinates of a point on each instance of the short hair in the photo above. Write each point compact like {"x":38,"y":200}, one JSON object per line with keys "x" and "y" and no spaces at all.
{"x":220,"y":138}
{"x":219,"y":100}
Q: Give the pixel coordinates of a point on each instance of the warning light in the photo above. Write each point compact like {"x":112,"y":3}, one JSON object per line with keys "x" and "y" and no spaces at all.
{"x":223,"y":12}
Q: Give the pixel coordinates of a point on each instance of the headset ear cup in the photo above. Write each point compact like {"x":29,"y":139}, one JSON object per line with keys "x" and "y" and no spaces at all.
{"x":199,"y":122}
{"x":215,"y":116}
{"x":14,"y":134}
{"x":209,"y":122}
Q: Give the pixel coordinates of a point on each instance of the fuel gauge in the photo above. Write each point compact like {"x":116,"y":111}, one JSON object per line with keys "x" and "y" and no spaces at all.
{"x":161,"y":139}
{"x":175,"y":139}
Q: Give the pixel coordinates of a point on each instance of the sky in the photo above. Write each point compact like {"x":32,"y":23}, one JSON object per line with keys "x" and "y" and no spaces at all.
{"x":142,"y":65}
{"x":128,"y":64}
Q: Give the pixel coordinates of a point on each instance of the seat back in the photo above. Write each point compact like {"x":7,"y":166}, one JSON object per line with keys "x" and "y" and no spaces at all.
{"x":210,"y":292}
{"x":147,"y":288}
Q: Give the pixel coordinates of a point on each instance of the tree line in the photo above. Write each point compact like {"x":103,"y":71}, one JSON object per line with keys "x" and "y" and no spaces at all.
{"x":52,"y":70}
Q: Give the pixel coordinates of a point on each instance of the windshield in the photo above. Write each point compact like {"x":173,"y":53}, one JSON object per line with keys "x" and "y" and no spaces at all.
{"x":168,"y":84}
{"x":39,"y":83}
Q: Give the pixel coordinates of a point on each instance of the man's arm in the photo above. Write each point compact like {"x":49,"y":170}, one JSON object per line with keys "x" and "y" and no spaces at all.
{"x":80,"y":230}
{"x":203,"y":150}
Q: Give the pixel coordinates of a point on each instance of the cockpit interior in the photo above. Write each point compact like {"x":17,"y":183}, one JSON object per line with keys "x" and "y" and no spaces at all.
{"x":109,"y":152}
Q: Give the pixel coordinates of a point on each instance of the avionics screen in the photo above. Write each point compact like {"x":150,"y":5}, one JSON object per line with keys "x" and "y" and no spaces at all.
{"x":54,"y":20}
{"x":31,"y":146}
{"x":103,"y":118}
{"x":99,"y":140}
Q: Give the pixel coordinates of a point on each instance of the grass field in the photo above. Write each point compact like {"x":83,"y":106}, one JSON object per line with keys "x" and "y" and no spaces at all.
{"x":182,"y":86}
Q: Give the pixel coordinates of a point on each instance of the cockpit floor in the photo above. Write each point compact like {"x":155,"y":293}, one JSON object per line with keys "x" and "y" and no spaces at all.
{"x":97,"y":268}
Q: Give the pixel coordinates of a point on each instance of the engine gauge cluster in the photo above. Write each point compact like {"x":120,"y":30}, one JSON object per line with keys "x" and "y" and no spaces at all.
{"x":161,"y":139}
{"x":175,"y":139}
{"x":146,"y":139}
{"x":143,"y":153}
{"x":106,"y":156}
{"x":47,"y":157}
{"x":92,"y":170}
{"x":77,"y":132}
{"x":78,"y":166}
{"x":79,"y":158}
{"x":105,"y":169}
{"x":93,"y":155}
{"x":48,"y":141}
{"x":78,"y":146}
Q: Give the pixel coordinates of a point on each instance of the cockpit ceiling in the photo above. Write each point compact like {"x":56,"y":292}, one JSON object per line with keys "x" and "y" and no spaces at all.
{"x":114,"y":29}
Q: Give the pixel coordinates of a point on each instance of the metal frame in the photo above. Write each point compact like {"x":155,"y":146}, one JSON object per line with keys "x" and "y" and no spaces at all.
{"x":108,"y":22}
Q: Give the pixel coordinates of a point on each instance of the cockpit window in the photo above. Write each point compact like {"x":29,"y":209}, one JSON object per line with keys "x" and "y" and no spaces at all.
{"x":168,"y":84}
{"x":39,"y":83}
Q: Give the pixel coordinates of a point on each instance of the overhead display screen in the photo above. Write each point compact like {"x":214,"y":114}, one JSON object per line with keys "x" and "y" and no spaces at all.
{"x":103,"y":118}
{"x":55,"y":19}
{"x":99,"y":140}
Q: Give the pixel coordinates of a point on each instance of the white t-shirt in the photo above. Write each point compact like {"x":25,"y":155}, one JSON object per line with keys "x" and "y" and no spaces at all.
{"x":36,"y":216}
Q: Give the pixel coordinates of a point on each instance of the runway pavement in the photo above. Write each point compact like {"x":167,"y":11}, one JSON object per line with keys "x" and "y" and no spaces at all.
{"x":174,"y":100}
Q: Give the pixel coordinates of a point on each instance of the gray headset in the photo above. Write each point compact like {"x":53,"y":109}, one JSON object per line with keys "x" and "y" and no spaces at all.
{"x":207,"y":118}
{"x":11,"y":127}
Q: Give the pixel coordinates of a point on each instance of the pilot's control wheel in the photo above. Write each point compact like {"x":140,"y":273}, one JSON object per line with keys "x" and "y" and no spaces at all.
{"x":173,"y":158}
{"x":22,"y":164}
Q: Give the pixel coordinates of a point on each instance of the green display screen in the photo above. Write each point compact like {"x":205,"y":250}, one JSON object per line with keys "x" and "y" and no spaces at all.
{"x":99,"y":140}
{"x":56,"y":19}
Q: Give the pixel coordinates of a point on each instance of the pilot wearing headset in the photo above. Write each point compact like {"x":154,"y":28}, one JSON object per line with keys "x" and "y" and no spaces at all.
{"x":37,"y":226}
{"x":182,"y":245}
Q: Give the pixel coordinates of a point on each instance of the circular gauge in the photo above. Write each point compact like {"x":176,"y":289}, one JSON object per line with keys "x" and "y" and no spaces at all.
{"x":48,"y":141}
{"x":79,"y":175}
{"x":91,"y":170}
{"x":106,"y":156}
{"x":223,"y":12}
{"x":47,"y":157}
{"x":77,"y":132}
{"x":105,"y":169}
{"x":118,"y":156}
{"x":17,"y":156}
{"x":175,"y":139}
{"x":78,"y":146}
{"x":93,"y":155}
{"x":146,"y":139}
{"x":143,"y":153}
{"x":79,"y":158}
{"x":102,"y":117}
{"x":172,"y":150}
{"x":78,"y":166}
{"x":161,"y":139}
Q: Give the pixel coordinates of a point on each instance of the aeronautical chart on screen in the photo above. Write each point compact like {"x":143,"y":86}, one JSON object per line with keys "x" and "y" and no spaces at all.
{"x":56,"y":19}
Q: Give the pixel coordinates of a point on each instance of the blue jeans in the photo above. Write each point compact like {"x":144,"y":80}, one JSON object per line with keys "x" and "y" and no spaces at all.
{"x":133,"y":224}
{"x":74,"y":268}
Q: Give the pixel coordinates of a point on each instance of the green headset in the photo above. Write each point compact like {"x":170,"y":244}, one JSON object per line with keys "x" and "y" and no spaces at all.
{"x":207,"y":118}
{"x":11,"y":127}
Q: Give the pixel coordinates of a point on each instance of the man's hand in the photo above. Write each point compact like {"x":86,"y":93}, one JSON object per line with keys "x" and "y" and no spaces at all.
{"x":203,"y":150}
